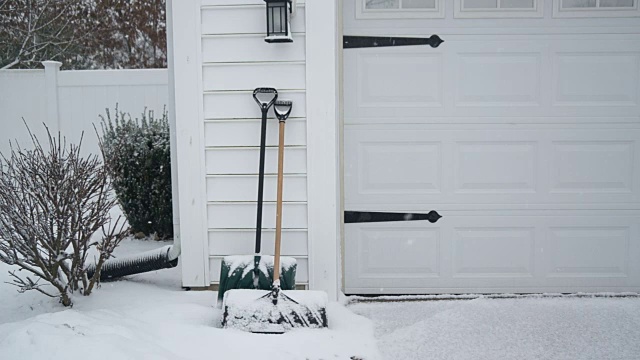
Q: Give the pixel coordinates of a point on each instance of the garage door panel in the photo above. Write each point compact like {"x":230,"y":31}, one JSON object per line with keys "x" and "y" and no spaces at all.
{"x":488,"y":121}
{"x":497,"y":79}
{"x":455,"y":76}
{"x":399,"y":167}
{"x":480,"y":252}
{"x":543,"y":76}
{"x":593,"y":167}
{"x":602,"y":78}
{"x":596,"y":78}
{"x":495,"y":167}
{"x":389,"y":252}
{"x":531,"y":252}
{"x":588,"y":251}
{"x":418,"y":166}
{"x":402,"y":79}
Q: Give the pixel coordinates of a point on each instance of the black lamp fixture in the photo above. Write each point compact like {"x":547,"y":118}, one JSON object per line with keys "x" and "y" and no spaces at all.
{"x":278,"y":21}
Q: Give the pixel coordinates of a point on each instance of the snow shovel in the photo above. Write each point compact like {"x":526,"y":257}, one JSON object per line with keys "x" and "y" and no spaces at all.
{"x":256,"y":272}
{"x":277,"y":310}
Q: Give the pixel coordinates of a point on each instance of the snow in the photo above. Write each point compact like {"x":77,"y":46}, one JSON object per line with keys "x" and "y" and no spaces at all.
{"x":241,"y":297}
{"x":143,"y":255}
{"x":149,"y":316}
{"x":253,"y":310}
{"x":529,"y":327}
{"x":266,"y":261}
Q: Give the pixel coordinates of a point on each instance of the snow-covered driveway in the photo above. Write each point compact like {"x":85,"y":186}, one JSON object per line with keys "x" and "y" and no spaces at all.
{"x":522,"y":328}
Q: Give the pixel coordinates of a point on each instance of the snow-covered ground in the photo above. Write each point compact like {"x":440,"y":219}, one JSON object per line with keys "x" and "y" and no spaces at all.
{"x":148,"y":316}
{"x":523,"y":328}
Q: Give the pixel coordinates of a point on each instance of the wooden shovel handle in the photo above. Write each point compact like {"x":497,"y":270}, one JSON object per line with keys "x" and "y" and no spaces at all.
{"x":276,"y":257}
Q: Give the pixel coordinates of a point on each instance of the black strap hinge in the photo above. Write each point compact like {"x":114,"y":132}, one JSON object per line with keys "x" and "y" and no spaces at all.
{"x":354,"y":42}
{"x":351,"y":217}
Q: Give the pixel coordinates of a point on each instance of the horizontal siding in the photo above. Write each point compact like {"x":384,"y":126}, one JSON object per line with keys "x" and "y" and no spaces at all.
{"x":245,"y":188}
{"x":236,"y":161}
{"x":284,"y":76}
{"x":243,"y":215}
{"x":302,"y":273}
{"x":246,"y":132}
{"x":250,"y":48}
{"x":238,"y":241}
{"x":240,"y":105}
{"x":235,"y":60}
{"x":250,"y":19}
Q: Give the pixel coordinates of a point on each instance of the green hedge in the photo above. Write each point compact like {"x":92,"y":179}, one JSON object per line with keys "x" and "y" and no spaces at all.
{"x":137,"y":153}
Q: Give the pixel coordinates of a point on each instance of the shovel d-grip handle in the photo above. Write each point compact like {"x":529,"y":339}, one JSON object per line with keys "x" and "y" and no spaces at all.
{"x":265,"y":105}
{"x":282,"y":109}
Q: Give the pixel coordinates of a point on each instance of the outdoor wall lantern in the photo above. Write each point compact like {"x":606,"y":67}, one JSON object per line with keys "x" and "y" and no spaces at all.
{"x":279,"y":13}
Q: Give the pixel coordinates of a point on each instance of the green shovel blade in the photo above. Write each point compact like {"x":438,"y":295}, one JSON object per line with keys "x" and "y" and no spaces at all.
{"x":237,"y":272}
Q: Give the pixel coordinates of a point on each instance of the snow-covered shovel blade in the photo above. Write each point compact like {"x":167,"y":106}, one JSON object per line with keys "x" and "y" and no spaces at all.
{"x":242,"y":272}
{"x":259,"y":312}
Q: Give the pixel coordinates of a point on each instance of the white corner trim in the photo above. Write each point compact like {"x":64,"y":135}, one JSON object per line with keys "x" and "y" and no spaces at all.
{"x":322,"y":145}
{"x":189,"y":140}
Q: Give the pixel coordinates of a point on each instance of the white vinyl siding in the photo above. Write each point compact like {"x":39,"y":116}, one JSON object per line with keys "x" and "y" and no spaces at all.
{"x":236,"y":60}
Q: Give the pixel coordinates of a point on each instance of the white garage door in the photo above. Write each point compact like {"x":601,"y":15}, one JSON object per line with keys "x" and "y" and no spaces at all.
{"x":522,"y":130}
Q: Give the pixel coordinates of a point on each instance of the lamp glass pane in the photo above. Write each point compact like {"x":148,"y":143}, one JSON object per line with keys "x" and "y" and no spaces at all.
{"x":277,"y":18}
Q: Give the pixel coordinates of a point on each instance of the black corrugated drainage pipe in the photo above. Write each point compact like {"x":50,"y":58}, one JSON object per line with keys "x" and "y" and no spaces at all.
{"x":165,"y":257}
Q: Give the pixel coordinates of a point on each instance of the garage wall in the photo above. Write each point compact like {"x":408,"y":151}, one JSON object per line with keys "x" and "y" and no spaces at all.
{"x":235,"y":59}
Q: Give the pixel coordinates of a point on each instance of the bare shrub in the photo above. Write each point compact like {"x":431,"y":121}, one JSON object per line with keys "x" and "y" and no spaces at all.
{"x":52,"y":203}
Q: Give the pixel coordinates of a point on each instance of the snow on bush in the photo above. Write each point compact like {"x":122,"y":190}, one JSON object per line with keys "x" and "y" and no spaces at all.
{"x":136,"y":151}
{"x":52,"y":202}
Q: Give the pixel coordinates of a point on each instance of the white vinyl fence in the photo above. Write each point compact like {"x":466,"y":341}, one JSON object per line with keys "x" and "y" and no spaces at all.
{"x":71,"y":101}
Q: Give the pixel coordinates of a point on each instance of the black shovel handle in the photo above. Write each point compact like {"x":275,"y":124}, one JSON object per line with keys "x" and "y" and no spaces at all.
{"x":264,"y":108}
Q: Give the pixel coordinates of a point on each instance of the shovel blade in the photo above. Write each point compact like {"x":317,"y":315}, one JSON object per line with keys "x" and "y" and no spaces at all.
{"x":256,"y":311}
{"x":239,"y":272}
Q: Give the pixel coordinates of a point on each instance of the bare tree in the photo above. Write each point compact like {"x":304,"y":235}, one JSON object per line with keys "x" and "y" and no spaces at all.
{"x":83,"y":34}
{"x":32,"y":31}
{"x":52,"y":203}
{"x":133,"y":33}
